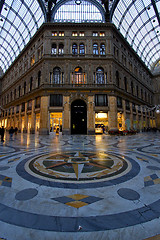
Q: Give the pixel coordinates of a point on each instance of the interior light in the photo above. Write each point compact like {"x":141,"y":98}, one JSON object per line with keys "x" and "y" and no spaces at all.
{"x":157,"y":111}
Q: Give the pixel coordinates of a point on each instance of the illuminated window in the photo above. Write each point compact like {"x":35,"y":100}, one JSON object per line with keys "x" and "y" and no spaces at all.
{"x":54,"y":34}
{"x":102,"y":34}
{"x":74,"y":34}
{"x":74,"y":49}
{"x":32,"y":60}
{"x":95,"y":49}
{"x":102,"y":49}
{"x":78,"y":76}
{"x":61,"y":49}
{"x":81,"y":49}
{"x":61,"y":34}
{"x":81,"y":34}
{"x":95,"y":34}
{"x":54,"y":49}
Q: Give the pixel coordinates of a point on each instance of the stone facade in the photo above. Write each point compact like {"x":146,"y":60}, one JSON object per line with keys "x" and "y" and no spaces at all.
{"x":65,"y":62}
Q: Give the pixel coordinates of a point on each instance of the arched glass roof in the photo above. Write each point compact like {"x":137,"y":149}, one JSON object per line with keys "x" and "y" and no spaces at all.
{"x":139,"y":23}
{"x":19,"y":20}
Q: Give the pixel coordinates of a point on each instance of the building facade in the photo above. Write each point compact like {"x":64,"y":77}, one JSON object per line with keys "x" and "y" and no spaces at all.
{"x":75,"y":76}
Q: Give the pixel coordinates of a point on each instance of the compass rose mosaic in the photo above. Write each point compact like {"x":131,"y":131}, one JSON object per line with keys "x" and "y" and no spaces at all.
{"x":78,"y":166}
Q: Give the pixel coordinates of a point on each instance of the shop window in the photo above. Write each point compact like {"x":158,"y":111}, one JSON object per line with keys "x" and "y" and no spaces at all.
{"x":54,"y":49}
{"x":127,"y":105}
{"x":101,"y":100}
{"x":117,"y":78}
{"x":78,"y":76}
{"x":37,"y":102}
{"x":56,"y":100}
{"x":74,"y":49}
{"x":57,"y":76}
{"x":61,"y":49}
{"x":81,"y":49}
{"x":99,"y":76}
{"x":119,"y":102}
{"x":95,"y":49}
{"x":102,"y":49}
{"x":39,"y":78}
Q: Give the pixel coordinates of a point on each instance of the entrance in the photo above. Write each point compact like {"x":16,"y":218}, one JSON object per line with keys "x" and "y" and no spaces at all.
{"x":78,"y":117}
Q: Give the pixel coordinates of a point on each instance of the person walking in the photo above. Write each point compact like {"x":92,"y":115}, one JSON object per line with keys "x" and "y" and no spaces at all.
{"x":2,"y":134}
{"x":11,"y":131}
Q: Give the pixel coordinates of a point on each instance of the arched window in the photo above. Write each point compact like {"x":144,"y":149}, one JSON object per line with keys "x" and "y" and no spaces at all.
{"x":102,"y":49}
{"x":78,"y":76}
{"x":81,"y":49}
{"x":61,"y":49}
{"x":74,"y":49}
{"x":39,"y":78}
{"x":54,"y":49}
{"x":100,"y":76}
{"x":117,"y":78}
{"x":57,"y":76}
{"x":95,"y":49}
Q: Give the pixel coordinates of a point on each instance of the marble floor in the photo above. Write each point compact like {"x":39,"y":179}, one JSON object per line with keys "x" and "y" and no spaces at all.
{"x":80,"y":187}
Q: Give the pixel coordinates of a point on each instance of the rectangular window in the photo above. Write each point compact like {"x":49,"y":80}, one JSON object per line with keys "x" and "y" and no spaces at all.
{"x":102,"y":34}
{"x":95,"y":34}
{"x":127,"y":105}
{"x":119,"y":102}
{"x":101,"y":100}
{"x":61,"y":34}
{"x":81,"y":34}
{"x":74,"y":34}
{"x":37,"y":102}
{"x":56,"y":100}
{"x":17,"y":109}
{"x":29,"y":107}
{"x":23,"y":107}
{"x":54,"y":34}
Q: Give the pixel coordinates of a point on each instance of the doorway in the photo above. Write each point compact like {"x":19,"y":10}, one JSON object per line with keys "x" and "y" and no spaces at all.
{"x":78,"y":117}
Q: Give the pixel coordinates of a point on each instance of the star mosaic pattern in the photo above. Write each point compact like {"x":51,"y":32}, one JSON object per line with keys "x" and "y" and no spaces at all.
{"x":151,"y":180}
{"x":5,"y":181}
{"x":77,"y":200}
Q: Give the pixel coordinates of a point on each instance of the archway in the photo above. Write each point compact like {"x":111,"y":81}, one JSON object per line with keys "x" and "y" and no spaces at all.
{"x":78,"y":117}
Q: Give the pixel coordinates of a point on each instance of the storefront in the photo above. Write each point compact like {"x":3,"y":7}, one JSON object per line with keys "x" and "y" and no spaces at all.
{"x":56,"y":122}
{"x":101,"y":122}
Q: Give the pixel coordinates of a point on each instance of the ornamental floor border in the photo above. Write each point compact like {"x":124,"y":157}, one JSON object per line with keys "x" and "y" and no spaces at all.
{"x":78,"y":187}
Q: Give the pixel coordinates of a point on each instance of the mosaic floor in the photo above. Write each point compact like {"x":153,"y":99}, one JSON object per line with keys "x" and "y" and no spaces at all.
{"x":78,"y":187}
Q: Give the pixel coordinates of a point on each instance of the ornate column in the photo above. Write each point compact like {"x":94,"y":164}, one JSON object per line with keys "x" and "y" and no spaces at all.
{"x":66,"y":125}
{"x":44,"y":116}
{"x":32,"y":130}
{"x":124,"y":114}
{"x":25,"y":120}
{"x":90,"y":116}
{"x":112,"y":114}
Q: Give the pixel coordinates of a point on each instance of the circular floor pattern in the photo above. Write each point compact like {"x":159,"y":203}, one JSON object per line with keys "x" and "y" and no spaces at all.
{"x":78,"y":169}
